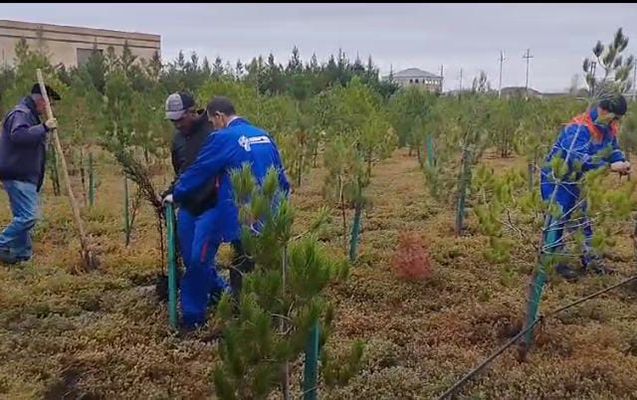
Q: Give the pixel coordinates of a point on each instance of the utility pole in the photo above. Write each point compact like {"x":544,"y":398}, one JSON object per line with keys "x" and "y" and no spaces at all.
{"x":500,"y":83}
{"x":461,"y":80}
{"x":593,"y":67}
{"x":442,"y":77}
{"x":528,"y":57}
{"x":635,"y":82}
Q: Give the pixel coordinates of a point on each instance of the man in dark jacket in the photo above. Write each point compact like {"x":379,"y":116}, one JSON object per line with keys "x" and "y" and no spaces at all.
{"x":22,"y":163}
{"x":197,"y":216}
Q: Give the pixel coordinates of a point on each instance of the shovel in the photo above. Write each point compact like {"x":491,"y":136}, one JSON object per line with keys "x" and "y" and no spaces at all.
{"x":89,"y":260}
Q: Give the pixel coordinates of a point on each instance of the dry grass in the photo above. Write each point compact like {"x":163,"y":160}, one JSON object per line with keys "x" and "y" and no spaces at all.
{"x":103,"y":335}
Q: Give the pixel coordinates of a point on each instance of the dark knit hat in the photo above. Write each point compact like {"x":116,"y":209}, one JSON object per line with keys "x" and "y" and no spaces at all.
{"x":53,"y":95}
{"x":616,"y":104}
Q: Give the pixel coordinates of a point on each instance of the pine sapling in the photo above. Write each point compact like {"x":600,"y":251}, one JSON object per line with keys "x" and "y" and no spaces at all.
{"x":280,"y":301}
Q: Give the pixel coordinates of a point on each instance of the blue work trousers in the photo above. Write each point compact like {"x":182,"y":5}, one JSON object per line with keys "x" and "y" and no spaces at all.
{"x":199,"y":241}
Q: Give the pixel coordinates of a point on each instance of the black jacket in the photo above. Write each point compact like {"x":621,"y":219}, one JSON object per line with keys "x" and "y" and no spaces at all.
{"x":185,"y":149}
{"x":23,"y":145}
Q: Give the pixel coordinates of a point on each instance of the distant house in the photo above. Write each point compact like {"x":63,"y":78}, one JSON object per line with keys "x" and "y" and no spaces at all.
{"x":418,"y":78}
{"x":458,"y":92}
{"x":579,"y":93}
{"x":519,"y":91}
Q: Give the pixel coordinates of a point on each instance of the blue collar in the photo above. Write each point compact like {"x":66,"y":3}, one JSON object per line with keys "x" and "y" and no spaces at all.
{"x":238,"y":121}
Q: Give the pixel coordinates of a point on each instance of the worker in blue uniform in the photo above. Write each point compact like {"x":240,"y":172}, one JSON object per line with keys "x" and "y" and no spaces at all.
{"x":587,"y":143}
{"x":201,"y":284}
{"x":235,"y":142}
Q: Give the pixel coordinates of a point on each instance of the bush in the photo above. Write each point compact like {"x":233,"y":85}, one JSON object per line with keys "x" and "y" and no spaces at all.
{"x":412,"y":260}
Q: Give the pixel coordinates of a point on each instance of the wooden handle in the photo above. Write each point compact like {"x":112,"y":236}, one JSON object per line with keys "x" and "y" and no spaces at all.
{"x":65,"y":174}
{"x":49,"y":111}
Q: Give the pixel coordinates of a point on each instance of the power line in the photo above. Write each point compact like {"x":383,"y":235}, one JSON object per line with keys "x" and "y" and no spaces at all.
{"x":635,"y":82}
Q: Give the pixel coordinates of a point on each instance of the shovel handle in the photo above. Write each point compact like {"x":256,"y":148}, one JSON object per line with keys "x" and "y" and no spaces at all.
{"x":65,"y":173}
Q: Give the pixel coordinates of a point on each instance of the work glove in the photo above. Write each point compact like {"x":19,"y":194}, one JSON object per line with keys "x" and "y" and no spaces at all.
{"x":167,"y":199}
{"x":621,"y":167}
{"x":51,"y":123}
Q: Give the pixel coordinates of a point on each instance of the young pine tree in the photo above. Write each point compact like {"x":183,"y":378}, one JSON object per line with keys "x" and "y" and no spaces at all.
{"x":281,"y":300}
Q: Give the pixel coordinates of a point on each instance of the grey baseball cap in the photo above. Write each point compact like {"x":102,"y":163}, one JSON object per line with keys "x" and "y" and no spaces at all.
{"x":177,"y":104}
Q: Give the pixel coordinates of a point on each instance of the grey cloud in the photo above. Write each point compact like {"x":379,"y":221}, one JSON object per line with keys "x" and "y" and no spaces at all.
{"x":467,"y":36}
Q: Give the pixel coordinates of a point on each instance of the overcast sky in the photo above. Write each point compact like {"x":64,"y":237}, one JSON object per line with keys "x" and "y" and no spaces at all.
{"x":467,"y":36}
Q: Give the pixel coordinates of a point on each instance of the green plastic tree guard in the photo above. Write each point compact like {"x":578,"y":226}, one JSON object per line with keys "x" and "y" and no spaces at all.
{"x":127,"y":227}
{"x":310,"y":379}
{"x":431,"y":158}
{"x":537,"y":286}
{"x":172,"y":265}
{"x":91,"y":181}
{"x":462,"y":194}
{"x":356,"y":230}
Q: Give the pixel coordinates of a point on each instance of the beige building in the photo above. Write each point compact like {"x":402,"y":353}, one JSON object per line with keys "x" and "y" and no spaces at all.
{"x":418,"y":78}
{"x":72,"y":46}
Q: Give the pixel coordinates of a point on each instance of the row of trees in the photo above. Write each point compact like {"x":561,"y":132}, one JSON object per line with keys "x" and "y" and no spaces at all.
{"x":337,"y":112}
{"x":115,"y":103}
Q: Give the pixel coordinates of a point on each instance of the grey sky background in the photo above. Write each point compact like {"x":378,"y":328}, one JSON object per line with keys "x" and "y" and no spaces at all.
{"x":467,"y":36}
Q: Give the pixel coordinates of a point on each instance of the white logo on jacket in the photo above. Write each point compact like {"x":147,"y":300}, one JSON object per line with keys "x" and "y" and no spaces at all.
{"x":247,"y":143}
